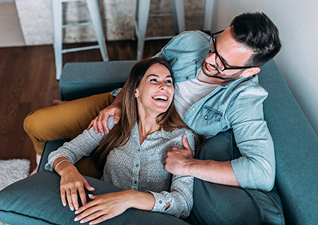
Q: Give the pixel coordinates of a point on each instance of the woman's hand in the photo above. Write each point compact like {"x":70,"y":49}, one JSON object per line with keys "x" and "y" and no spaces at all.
{"x":104,"y":207}
{"x":100,"y":122}
{"x":71,"y":183}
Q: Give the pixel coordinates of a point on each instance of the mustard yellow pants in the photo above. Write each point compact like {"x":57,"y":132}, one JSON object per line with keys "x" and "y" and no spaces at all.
{"x":65,"y":120}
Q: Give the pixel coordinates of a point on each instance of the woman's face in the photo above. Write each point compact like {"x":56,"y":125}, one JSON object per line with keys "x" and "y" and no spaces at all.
{"x":155,"y":91}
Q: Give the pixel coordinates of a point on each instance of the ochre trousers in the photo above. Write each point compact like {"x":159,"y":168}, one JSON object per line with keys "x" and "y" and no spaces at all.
{"x":66,"y":120}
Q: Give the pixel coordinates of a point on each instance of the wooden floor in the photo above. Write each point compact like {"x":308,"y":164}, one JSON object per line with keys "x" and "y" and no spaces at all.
{"x":27,"y":83}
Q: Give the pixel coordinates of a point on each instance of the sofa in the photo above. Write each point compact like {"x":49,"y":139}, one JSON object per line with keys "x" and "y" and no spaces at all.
{"x":294,"y":199}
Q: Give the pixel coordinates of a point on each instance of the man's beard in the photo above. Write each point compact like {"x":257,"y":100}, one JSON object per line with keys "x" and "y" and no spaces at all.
{"x":218,"y":75}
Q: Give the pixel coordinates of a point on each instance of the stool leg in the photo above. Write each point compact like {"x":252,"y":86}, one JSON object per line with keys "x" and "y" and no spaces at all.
{"x":94,"y":12}
{"x":136,"y":19}
{"x":57,"y":35}
{"x":207,"y":26}
{"x":177,"y":7}
{"x":143,"y":13}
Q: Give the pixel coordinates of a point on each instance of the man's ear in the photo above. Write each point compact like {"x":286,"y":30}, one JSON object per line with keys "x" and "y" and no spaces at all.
{"x":251,"y":71}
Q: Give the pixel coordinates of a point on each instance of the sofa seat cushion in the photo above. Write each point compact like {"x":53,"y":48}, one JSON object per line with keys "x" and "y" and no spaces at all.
{"x":36,"y":201}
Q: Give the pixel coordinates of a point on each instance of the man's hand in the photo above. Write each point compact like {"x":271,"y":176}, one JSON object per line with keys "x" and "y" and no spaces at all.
{"x":178,"y":161}
{"x":100,"y":122}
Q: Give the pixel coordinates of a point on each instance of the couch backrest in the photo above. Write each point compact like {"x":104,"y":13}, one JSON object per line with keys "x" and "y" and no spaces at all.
{"x":296,"y":149}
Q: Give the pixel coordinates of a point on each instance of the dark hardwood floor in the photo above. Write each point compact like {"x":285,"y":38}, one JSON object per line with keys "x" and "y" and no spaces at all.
{"x":27,"y":83}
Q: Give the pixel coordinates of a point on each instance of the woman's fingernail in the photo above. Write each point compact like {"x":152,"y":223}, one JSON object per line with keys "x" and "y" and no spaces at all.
{"x":72,"y":208}
{"x":76,"y":219}
{"x":76,"y":212}
{"x":82,"y":221}
{"x":64,"y":204}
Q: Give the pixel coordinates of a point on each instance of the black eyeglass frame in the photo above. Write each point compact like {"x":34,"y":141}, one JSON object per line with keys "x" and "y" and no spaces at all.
{"x":225,"y":65}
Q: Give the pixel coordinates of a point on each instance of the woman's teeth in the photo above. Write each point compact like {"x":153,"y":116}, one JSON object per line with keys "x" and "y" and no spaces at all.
{"x":161,"y":98}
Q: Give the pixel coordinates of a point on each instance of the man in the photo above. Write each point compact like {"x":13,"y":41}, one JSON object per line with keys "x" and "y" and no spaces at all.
{"x":216,"y":90}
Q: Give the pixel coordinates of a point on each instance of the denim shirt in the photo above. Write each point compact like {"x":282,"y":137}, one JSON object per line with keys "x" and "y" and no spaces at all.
{"x":236,"y":105}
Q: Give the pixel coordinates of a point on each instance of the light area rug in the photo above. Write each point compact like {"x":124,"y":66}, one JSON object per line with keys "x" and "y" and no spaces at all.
{"x":12,"y":171}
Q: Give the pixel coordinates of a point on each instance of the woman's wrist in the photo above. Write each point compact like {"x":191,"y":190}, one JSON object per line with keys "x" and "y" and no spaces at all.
{"x":140,"y":200}
{"x":60,"y":164}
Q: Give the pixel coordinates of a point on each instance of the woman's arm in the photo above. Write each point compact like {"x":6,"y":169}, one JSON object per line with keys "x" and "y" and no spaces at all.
{"x":71,"y":183}
{"x":180,"y":197}
{"x":62,"y":161}
{"x":79,"y":147}
{"x":107,"y":206}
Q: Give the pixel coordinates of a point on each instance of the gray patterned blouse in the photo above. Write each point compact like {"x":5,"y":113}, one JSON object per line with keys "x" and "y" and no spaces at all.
{"x":139,"y":167}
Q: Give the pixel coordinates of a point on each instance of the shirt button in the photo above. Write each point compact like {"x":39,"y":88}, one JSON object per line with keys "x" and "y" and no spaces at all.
{"x":187,"y":78}
{"x":193,"y":108}
{"x":160,"y":202}
{"x":205,"y":117}
{"x":135,"y":182}
{"x":137,"y":165}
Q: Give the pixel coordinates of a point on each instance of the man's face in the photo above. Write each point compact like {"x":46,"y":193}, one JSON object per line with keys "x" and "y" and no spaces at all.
{"x":232,"y":53}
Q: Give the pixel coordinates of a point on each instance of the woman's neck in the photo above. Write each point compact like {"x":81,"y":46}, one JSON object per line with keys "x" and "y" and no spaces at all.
{"x":146,"y":126}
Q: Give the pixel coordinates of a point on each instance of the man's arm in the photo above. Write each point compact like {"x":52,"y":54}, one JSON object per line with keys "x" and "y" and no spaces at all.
{"x":100,"y":122}
{"x":256,"y":167}
{"x":181,"y":162}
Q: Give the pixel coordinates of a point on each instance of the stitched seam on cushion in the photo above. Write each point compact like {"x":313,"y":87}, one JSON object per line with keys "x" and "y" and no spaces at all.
{"x":29,"y":216}
{"x":277,"y":207}
{"x":261,"y":212}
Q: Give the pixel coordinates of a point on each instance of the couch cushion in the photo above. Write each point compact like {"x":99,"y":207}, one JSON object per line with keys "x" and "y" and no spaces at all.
{"x":219,"y":204}
{"x":83,"y":79}
{"x":36,"y":200}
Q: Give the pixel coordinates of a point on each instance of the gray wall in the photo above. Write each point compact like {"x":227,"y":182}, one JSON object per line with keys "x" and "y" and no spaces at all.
{"x":6,"y":1}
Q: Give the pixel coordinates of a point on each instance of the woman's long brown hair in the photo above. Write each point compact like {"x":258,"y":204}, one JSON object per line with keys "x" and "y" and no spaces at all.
{"x":120,"y":133}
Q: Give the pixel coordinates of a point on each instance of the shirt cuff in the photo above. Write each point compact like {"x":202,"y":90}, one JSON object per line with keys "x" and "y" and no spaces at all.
{"x":160,"y":202}
{"x":115,"y":92}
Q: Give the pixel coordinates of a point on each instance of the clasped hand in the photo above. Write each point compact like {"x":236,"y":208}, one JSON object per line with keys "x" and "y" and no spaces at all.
{"x":100,"y":122}
{"x":177,"y":160}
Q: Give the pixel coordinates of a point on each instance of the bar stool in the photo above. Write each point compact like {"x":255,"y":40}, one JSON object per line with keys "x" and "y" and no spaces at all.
{"x":58,"y":31}
{"x":141,"y":19}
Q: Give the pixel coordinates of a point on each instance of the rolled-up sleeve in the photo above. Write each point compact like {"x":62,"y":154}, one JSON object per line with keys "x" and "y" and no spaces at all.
{"x":180,"y":197}
{"x":256,"y":167}
{"x":81,"y":146}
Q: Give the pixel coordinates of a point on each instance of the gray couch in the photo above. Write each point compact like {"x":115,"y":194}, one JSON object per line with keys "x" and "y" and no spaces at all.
{"x":35,"y":200}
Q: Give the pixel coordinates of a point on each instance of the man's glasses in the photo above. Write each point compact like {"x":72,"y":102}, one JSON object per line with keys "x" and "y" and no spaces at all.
{"x":220,"y":62}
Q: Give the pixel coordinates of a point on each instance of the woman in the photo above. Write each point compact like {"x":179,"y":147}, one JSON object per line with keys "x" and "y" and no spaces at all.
{"x":132,"y":153}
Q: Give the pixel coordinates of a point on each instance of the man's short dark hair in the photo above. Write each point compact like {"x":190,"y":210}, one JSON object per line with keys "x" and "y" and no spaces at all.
{"x":259,"y":33}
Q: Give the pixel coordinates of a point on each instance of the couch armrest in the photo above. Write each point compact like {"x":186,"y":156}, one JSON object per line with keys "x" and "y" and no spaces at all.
{"x":49,"y":147}
{"x":80,"y":80}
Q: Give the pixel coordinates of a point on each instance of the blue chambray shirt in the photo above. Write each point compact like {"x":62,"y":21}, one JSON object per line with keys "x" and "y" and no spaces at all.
{"x":236,"y":105}
{"x":139,"y":167}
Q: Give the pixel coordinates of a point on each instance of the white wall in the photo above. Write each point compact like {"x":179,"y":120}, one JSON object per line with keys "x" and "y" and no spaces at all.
{"x":298,"y":59}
